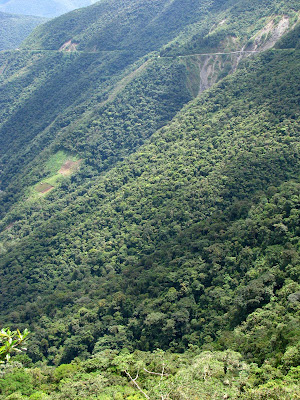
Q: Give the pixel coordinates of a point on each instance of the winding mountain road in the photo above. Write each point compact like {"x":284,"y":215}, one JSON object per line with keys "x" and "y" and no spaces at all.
{"x":213,"y":54}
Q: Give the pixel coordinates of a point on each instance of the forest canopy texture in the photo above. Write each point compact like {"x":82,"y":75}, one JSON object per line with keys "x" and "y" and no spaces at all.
{"x":149,"y":231}
{"x":15,"y":28}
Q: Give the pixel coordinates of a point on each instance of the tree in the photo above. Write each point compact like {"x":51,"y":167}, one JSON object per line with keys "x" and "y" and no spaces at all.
{"x":10,"y":342}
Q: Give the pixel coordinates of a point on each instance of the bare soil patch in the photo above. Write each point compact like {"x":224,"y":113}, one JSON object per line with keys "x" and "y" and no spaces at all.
{"x":69,"y":167}
{"x":43,"y":187}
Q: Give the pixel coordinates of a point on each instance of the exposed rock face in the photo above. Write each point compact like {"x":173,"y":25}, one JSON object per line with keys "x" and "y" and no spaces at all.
{"x":215,"y":66}
{"x":269,"y":35}
{"x":68,"y":46}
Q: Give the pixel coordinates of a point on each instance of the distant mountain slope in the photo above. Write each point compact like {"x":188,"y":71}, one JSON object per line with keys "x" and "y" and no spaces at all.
{"x":42,"y":8}
{"x":146,"y":25}
{"x":240,"y":25}
{"x":91,"y":50}
{"x":139,"y":25}
{"x":15,"y":28}
{"x":138,"y":209}
{"x":192,"y":217}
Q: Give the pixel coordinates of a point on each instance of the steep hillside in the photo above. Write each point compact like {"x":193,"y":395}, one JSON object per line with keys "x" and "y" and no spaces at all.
{"x":206,"y":26}
{"x":143,"y":208}
{"x":94,"y":76}
{"x":135,"y":25}
{"x":240,"y":25}
{"x":15,"y":28}
{"x":187,"y":203}
{"x":42,"y":8}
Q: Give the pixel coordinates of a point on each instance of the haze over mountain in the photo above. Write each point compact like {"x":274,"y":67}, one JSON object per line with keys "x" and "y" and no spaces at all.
{"x":42,"y":8}
{"x":150,"y":199}
{"x":15,"y":28}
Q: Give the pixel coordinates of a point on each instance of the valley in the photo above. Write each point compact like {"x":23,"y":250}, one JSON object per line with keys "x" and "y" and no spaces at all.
{"x":149,"y":202}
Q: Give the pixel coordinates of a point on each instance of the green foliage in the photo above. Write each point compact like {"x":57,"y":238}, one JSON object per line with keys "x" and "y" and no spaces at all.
{"x":156,"y":375}
{"x":183,"y":240}
{"x":101,"y":137}
{"x":180,"y":229}
{"x":238,"y":25}
{"x":16,"y":382}
{"x":134,"y":25}
{"x":15,"y":28}
{"x":64,"y":371}
{"x":291,"y":40}
{"x":11,"y":342}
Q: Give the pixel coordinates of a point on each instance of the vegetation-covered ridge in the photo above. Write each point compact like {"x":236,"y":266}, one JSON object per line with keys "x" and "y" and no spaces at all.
{"x":94,"y":86}
{"x":142,"y":375}
{"x":91,"y":124}
{"x":15,"y":28}
{"x":241,"y":25}
{"x":145,"y":25}
{"x":177,"y":224}
{"x":182,"y":240}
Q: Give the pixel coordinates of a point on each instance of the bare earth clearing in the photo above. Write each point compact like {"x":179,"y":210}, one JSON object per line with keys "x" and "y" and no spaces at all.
{"x":43,"y":187}
{"x":69,"y":167}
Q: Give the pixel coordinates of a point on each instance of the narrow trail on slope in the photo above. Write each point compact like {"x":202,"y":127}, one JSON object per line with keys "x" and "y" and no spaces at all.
{"x":212,"y":54}
{"x":120,"y":50}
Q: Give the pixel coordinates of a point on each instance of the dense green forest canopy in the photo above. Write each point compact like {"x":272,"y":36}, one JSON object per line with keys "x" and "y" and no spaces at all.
{"x":150,"y":199}
{"x":206,"y":174}
{"x":145,"y":25}
{"x":15,"y":28}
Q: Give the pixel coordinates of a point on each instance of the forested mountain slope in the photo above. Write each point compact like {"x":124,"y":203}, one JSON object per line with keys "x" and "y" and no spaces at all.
{"x":204,"y":25}
{"x":15,"y":28}
{"x":42,"y":8}
{"x":64,"y":98}
{"x":190,"y":202}
{"x":141,"y":212}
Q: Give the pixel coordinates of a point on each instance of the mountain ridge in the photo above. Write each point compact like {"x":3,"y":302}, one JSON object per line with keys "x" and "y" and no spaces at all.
{"x":15,"y":28}
{"x":178,"y":226}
